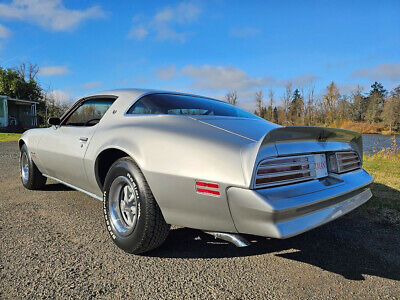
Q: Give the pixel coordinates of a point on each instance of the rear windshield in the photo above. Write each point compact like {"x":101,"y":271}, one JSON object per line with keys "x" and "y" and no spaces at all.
{"x":170,"y":104}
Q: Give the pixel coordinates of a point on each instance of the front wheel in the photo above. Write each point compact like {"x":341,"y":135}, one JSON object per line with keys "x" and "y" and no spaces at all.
{"x":133,"y":217}
{"x":31,"y":177}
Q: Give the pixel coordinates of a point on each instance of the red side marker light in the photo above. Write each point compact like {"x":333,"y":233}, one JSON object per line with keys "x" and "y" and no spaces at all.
{"x":207,"y":188}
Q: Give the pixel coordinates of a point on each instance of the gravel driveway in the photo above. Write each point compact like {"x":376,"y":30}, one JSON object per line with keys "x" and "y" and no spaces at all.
{"x":54,"y":244}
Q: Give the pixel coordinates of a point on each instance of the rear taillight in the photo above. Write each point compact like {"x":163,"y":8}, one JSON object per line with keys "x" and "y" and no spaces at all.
{"x":341,"y":162}
{"x":294,"y":169}
{"x":278,"y":171}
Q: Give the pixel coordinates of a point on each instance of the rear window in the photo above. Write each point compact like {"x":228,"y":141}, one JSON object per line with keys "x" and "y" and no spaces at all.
{"x":170,"y":104}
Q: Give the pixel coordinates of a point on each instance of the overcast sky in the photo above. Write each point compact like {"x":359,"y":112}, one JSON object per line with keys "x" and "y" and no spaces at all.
{"x":205,"y":47}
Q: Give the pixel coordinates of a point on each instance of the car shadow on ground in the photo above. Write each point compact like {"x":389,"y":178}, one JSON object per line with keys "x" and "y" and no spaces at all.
{"x":384,"y":196}
{"x":324,"y":247}
{"x":56,"y":187}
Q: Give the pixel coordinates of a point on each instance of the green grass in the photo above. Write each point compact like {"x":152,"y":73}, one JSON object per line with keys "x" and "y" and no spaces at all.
{"x":386,"y":187}
{"x":9,"y":137}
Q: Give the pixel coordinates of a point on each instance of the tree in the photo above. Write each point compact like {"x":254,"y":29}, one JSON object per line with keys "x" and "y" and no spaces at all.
{"x":231,"y":98}
{"x":343,"y":109}
{"x":27,"y":71}
{"x":309,"y":109}
{"x":260,"y":109}
{"x":275,"y":118}
{"x":296,"y":107}
{"x":391,"y":110}
{"x":54,"y":106}
{"x":359,"y":105}
{"x":330,"y":100}
{"x":376,"y":101}
{"x":271,"y":104}
{"x":16,"y":84}
{"x":395,"y":92}
{"x":287,"y":96}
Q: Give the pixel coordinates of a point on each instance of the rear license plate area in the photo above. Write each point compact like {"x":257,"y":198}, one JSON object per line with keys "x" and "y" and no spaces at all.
{"x":321,"y":169}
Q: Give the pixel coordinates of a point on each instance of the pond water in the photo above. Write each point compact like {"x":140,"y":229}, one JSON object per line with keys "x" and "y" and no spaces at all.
{"x":373,"y":143}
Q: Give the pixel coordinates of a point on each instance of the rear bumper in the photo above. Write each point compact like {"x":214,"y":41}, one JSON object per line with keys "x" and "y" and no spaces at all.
{"x":285,"y":211}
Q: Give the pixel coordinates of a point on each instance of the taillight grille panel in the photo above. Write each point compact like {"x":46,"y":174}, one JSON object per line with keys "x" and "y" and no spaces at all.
{"x":278,"y":171}
{"x":347,"y":161}
{"x":294,"y":169}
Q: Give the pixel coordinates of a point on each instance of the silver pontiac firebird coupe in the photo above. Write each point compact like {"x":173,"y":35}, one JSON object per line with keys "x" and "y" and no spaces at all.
{"x":157,"y":158}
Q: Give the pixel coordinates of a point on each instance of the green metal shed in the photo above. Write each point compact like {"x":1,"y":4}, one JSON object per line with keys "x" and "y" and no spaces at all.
{"x":17,"y":113}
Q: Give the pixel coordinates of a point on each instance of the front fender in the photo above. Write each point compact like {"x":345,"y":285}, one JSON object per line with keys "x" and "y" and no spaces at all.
{"x":31,"y":138}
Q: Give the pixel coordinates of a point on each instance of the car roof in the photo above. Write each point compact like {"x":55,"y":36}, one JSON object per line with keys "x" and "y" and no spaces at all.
{"x":136,"y":92}
{"x":128,"y":96}
{"x":125,"y":91}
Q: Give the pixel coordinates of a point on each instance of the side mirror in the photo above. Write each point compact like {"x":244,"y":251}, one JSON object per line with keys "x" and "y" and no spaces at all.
{"x":54,"y":121}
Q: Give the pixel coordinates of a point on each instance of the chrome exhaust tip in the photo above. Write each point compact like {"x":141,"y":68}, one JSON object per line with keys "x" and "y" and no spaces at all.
{"x":236,"y":239}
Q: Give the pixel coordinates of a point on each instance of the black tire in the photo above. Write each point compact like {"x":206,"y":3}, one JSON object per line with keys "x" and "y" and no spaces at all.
{"x":150,"y":229}
{"x":31,"y":177}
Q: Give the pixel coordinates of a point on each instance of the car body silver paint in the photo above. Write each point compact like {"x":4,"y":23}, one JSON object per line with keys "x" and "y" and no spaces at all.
{"x":174,"y":150}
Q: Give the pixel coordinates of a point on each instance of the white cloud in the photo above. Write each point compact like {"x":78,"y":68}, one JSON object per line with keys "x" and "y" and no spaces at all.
{"x":4,"y":32}
{"x":138,"y":32}
{"x":215,"y":81}
{"x":388,"y":71}
{"x":184,"y":12}
{"x":210,"y":77}
{"x":222,"y":77}
{"x":53,"y":70}
{"x":246,"y":32}
{"x":91,"y":85}
{"x":166,"y":73}
{"x":167,"y":23}
{"x":164,"y":33}
{"x":303,"y":80}
{"x":49,"y":14}
{"x":349,"y":62}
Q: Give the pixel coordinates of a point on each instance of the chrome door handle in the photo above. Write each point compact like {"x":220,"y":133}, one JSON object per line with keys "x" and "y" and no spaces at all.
{"x":83,"y":139}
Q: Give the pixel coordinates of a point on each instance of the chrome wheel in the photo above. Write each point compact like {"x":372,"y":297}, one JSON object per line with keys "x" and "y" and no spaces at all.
{"x":24,"y":167}
{"x":123,"y":205}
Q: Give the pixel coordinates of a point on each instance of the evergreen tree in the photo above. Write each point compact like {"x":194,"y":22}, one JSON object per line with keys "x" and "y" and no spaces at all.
{"x":275,"y":116}
{"x":391,"y":110}
{"x":376,"y":101}
{"x":296,"y":107}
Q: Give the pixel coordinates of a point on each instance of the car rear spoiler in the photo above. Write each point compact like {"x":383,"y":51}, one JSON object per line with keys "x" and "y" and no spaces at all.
{"x":312,"y":133}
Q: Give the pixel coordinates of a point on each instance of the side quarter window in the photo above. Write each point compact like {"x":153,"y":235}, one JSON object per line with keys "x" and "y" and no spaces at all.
{"x":140,"y":108}
{"x":89,"y":113}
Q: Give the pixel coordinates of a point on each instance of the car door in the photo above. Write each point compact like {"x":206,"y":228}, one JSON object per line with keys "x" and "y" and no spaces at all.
{"x":63,"y":148}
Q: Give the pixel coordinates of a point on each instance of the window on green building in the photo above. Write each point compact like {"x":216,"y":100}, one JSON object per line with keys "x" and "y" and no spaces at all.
{"x":2,"y":112}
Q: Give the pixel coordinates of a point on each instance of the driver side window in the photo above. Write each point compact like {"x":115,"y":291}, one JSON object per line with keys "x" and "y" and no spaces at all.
{"x":89,"y":112}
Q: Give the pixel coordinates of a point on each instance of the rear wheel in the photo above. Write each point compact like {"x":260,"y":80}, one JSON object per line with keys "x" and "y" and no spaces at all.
{"x":31,"y":177}
{"x":133,"y":217}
